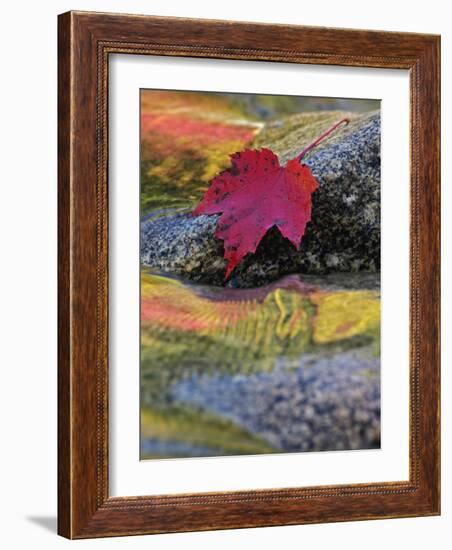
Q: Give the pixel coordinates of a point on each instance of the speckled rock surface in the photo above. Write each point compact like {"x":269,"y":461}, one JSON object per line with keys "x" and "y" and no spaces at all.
{"x":343,"y":236}
{"x":329,"y":402}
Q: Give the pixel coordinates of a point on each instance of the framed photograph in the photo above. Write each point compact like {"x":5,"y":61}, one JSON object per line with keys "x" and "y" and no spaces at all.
{"x":248,"y":275}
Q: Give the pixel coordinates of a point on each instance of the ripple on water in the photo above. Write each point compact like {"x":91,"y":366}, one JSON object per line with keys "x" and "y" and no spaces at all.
{"x":295,"y":363}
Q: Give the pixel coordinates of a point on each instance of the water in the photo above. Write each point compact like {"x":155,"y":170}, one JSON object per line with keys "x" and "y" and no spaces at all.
{"x":289,"y":367}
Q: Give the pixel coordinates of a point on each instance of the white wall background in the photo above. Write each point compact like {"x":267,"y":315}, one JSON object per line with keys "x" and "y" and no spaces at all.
{"x":28,"y":124}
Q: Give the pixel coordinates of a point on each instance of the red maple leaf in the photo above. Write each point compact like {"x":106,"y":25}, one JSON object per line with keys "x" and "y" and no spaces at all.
{"x":257,"y":193}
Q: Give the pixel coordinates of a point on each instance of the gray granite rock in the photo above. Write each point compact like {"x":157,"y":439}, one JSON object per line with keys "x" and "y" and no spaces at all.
{"x":343,"y":236}
{"x":321,"y":403}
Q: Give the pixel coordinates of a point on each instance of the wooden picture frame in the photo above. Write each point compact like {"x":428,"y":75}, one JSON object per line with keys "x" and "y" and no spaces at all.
{"x":85,"y":42}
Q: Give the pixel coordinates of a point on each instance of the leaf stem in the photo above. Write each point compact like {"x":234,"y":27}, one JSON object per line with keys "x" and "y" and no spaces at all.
{"x":321,"y":138}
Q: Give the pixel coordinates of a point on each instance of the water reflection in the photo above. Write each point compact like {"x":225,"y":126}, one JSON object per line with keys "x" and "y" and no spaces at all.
{"x":291,"y":366}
